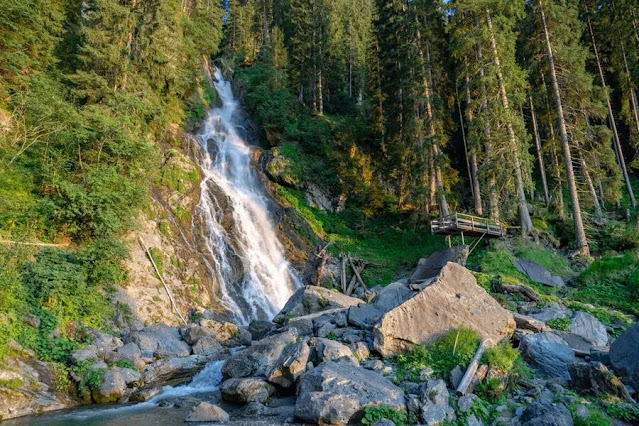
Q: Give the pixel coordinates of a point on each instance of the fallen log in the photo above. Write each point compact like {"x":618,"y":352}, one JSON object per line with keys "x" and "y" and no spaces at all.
{"x":357,"y":273}
{"x":343,"y":273}
{"x":322,"y":255}
{"x":462,"y":389}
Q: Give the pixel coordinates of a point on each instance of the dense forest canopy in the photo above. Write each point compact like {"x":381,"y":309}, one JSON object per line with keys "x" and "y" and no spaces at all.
{"x":525,"y":111}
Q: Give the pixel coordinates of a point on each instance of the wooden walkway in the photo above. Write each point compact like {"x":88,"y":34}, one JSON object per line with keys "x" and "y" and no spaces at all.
{"x":468,"y":225}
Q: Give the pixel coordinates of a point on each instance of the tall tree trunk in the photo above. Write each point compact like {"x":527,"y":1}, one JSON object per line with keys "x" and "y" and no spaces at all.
{"x":493,"y":199}
{"x":524,"y":215}
{"x":590,"y":185}
{"x":633,"y":96}
{"x":634,"y":24}
{"x":474,"y":171}
{"x":540,"y":154}
{"x":613,"y":124}
{"x":580,"y":233}
{"x":428,"y":87}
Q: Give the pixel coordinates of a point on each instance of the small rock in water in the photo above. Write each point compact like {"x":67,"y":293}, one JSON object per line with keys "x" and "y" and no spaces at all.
{"x":205,"y":412}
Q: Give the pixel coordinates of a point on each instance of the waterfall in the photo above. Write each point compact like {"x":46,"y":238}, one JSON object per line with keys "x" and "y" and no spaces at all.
{"x":248,"y":262}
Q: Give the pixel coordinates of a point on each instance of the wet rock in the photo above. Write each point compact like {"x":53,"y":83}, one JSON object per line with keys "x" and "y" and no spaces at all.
{"x":175,"y":369}
{"x":207,"y":345}
{"x":227,"y":334}
{"x":246,"y":390}
{"x":552,"y":310}
{"x":593,"y":378}
{"x":193,"y":332}
{"x":146,"y":394}
{"x":115,"y":382}
{"x":590,"y":328}
{"x":313,"y":299}
{"x":336,"y":393}
{"x":538,"y":273}
{"x":624,"y":356}
{"x":259,"y":358}
{"x":453,"y":300}
{"x":548,"y":353}
{"x":291,"y":364}
{"x":209,"y":413}
{"x":433,"y":264}
{"x":546,"y":414}
{"x":260,"y":329}
{"x":160,"y":340}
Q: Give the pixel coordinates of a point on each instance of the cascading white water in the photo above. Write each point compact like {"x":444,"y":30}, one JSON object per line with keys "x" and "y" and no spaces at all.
{"x":249,"y":244}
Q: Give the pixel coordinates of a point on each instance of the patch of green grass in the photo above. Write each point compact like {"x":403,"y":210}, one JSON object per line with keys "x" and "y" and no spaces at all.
{"x":624,"y":411}
{"x":14,"y":383}
{"x":158,"y":258}
{"x":389,"y":241}
{"x":595,"y":417}
{"x":562,"y":324}
{"x":501,"y":357}
{"x":555,"y":263}
{"x":612,"y":282}
{"x":455,"y":348}
{"x":372,"y":414}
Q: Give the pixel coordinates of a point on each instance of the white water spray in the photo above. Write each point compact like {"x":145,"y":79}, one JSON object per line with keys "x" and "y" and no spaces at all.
{"x":254,"y":276}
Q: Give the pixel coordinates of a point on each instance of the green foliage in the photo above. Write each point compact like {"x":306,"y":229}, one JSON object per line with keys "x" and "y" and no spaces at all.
{"x":387,"y":240}
{"x":623,"y":411}
{"x":595,"y":418}
{"x":126,"y":363}
{"x":612,"y":282}
{"x":14,"y":383}
{"x":555,"y":263}
{"x":616,"y":236}
{"x":501,"y":357}
{"x":455,"y":348}
{"x":372,"y":414}
{"x":158,"y":258}
{"x":90,"y":378}
{"x":492,"y":389}
{"x":562,"y":324}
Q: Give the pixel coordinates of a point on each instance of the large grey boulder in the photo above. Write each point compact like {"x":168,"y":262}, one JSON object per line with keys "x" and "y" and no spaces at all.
{"x":453,"y":300}
{"x":624,"y":356}
{"x":546,"y":414}
{"x":246,"y":390}
{"x":175,"y":369}
{"x":336,"y":393}
{"x":550,"y":311}
{"x":312,"y":299}
{"x":364,"y":316}
{"x":207,"y":413}
{"x":331,"y":350}
{"x":538,"y":273}
{"x":392,"y":296}
{"x":433,"y":264}
{"x":590,"y":328}
{"x":548,"y":353}
{"x":160,"y":340}
{"x":576,"y":343}
{"x":291,"y":364}
{"x":259,"y":358}
{"x":226,"y":333}
{"x":114,"y":384}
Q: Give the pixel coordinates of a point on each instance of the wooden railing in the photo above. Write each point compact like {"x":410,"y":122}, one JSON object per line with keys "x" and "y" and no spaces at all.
{"x":460,"y":222}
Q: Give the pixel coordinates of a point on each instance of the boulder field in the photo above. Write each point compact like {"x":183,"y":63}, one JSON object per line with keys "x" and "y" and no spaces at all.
{"x":328,"y":358}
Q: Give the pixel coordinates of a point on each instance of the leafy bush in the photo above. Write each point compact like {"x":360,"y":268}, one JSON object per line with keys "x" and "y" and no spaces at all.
{"x":501,"y":357}
{"x":456,"y":348}
{"x":623,"y":411}
{"x":562,"y":324}
{"x":372,"y":414}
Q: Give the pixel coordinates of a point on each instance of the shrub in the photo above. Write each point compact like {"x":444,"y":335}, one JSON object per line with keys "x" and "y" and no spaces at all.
{"x":562,"y":324}
{"x":456,"y":348}
{"x":372,"y":414}
{"x":624,"y":411}
{"x":501,"y":357}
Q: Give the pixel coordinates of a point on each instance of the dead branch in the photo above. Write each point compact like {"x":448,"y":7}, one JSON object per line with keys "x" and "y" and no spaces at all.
{"x":462,"y":389}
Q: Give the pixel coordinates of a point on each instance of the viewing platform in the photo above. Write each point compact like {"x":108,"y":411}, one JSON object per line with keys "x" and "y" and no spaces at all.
{"x":468,"y":225}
